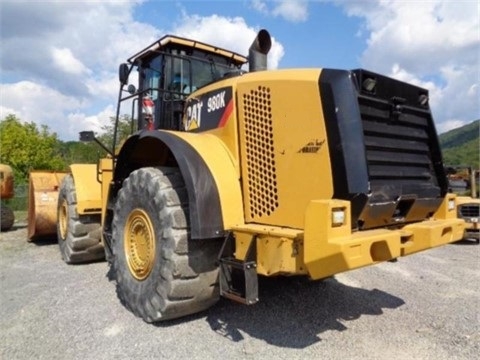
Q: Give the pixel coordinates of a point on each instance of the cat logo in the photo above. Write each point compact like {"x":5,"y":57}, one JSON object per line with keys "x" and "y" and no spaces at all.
{"x":193,"y":115}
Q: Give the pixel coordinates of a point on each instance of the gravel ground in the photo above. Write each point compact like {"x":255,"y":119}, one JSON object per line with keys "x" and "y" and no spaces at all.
{"x":424,"y":306}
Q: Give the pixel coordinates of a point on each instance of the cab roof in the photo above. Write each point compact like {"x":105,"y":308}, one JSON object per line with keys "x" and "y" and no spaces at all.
{"x":168,"y":40}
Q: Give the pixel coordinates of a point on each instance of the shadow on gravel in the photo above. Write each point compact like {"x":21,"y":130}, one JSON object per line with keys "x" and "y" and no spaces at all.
{"x":46,"y":240}
{"x":16,"y":226}
{"x":292,"y":312}
{"x":467,"y":242}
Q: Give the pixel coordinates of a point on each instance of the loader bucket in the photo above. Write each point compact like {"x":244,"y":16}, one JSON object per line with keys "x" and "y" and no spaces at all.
{"x":42,"y":203}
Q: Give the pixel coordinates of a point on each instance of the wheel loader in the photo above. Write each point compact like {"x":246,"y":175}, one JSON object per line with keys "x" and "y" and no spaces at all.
{"x":7,"y":217}
{"x":463,"y":181}
{"x":231,"y":174}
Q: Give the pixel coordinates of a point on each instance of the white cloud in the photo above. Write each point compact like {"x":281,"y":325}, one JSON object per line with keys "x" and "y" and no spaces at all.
{"x":433,"y":44}
{"x":40,"y":104}
{"x":290,"y":10}
{"x":64,"y":115}
{"x":260,"y":6}
{"x":236,"y":35}
{"x":79,"y":121}
{"x":65,"y":74}
{"x":67,"y":62}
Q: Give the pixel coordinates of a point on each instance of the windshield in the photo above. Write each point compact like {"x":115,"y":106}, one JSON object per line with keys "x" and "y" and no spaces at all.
{"x":167,"y":78}
{"x":187,"y":73}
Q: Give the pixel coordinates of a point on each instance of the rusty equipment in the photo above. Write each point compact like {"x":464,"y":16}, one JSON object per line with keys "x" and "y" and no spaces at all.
{"x":7,"y":216}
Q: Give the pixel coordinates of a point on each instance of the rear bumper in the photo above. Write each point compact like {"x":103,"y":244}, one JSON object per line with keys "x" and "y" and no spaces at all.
{"x":330,"y":250}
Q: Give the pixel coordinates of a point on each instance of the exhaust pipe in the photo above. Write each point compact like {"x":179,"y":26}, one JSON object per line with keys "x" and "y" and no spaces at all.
{"x":257,"y":53}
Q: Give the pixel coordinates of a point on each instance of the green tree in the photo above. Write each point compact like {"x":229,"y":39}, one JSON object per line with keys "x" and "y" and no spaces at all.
{"x":74,"y":152}
{"x":124,"y":130}
{"x":461,"y":146}
{"x":25,"y":146}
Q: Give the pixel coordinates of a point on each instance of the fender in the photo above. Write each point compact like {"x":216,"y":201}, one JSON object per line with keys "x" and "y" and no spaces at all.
{"x":88,"y":189}
{"x":215,"y":202}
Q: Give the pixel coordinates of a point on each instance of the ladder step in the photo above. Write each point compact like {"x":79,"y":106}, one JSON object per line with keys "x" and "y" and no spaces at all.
{"x":239,"y":280}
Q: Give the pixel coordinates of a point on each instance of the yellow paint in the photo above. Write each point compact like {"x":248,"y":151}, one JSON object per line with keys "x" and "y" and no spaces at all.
{"x":471,"y":223}
{"x":222,"y":167}
{"x":443,"y":212}
{"x":228,"y":134}
{"x":433,"y":233}
{"x":284,"y":154}
{"x":279,"y":250}
{"x":322,"y":249}
{"x":139,"y":244}
{"x":105,"y":175}
{"x":87,"y":187}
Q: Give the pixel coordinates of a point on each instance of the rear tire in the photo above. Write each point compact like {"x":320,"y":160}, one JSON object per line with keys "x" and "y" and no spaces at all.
{"x":160,"y":273}
{"x":7,"y":218}
{"x":79,"y":236}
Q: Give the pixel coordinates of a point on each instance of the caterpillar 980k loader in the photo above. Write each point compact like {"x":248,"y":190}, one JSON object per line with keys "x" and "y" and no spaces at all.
{"x":233,"y":174}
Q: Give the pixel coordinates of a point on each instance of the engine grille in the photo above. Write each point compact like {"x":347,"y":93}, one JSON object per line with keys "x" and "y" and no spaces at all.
{"x":397,"y":149}
{"x":261,"y":171}
{"x":471,"y":210}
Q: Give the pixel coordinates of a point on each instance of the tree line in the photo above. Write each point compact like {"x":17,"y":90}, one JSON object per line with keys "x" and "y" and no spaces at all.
{"x":26,"y":146}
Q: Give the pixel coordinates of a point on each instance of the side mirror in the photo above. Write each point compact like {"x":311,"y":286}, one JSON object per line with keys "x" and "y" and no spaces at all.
{"x":123,"y":72}
{"x":87,"y":136}
{"x":131,"y":89}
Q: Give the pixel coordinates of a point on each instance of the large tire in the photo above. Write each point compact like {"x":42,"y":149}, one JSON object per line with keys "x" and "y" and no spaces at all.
{"x":79,"y":236}
{"x":7,"y":218}
{"x":161,"y":274}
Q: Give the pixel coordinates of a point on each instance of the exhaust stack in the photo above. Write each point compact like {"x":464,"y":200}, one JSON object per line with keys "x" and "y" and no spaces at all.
{"x":257,"y":53}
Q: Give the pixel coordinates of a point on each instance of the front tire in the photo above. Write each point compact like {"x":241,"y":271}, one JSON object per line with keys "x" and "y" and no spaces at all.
{"x":79,"y":236}
{"x":160,"y":273}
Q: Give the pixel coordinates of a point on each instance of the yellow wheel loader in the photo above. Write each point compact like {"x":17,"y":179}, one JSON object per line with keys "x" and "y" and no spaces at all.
{"x":7,"y":216}
{"x":462,"y":180}
{"x":231,"y":174}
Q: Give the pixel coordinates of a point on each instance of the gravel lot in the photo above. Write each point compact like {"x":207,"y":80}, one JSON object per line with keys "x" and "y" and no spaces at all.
{"x":425,"y":306}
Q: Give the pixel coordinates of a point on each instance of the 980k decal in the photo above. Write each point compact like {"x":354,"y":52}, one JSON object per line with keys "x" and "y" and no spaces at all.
{"x":208,"y":111}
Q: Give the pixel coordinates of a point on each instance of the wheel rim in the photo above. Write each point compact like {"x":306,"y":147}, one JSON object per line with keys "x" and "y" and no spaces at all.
{"x":139,"y":244}
{"x":63,"y":219}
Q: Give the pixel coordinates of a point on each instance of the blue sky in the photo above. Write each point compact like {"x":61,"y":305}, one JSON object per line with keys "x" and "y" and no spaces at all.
{"x":59,"y":59}
{"x":327,"y":28}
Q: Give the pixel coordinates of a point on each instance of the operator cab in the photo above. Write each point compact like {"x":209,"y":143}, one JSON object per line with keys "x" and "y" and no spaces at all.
{"x":169,"y":70}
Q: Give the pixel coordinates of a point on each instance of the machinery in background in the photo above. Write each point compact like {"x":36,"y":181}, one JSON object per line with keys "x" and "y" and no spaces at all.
{"x":7,"y":216}
{"x":463,"y":180}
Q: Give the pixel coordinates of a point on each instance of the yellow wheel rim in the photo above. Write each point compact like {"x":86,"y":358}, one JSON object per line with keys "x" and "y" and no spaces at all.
{"x":63,"y":219}
{"x":139,"y":244}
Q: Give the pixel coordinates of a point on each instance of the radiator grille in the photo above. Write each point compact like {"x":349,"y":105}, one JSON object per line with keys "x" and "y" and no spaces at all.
{"x":261,"y":171}
{"x":397,"y":149}
{"x":471,"y":210}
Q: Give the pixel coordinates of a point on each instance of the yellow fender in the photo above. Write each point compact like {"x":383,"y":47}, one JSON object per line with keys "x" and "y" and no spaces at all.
{"x":222,"y":167}
{"x":207,"y":166}
{"x":88,"y":188}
